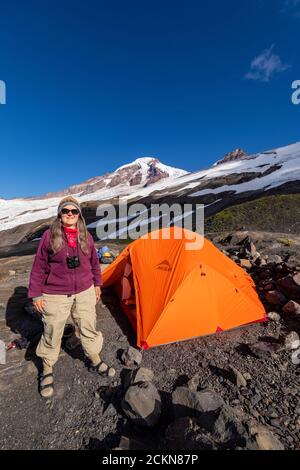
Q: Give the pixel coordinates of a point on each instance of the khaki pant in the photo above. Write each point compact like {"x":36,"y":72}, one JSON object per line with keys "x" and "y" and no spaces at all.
{"x":57,"y":309}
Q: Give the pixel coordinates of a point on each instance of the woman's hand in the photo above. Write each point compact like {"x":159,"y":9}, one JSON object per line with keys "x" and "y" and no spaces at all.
{"x":39,"y":304}
{"x":98,"y":293}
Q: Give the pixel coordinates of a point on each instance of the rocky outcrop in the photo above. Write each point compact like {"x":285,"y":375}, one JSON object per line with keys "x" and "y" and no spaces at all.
{"x":236,"y":154}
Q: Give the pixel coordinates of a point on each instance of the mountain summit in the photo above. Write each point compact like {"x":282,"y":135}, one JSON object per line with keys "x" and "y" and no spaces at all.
{"x":142,"y":172}
{"x":237,"y":154}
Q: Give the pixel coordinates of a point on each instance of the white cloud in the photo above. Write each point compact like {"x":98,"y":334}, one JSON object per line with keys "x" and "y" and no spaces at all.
{"x":291,"y":7}
{"x":265,"y":65}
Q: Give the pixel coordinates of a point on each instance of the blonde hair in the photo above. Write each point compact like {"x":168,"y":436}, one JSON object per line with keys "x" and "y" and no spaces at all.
{"x":56,"y":229}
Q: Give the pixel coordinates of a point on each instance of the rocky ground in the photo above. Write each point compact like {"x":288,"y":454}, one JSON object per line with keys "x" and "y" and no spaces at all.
{"x":232,"y":390}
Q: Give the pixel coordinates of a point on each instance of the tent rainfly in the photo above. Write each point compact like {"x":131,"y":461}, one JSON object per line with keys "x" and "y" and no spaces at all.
{"x":171,"y":293}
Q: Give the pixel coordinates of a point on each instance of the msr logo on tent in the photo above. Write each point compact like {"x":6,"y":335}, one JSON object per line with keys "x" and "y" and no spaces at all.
{"x":164,"y":266}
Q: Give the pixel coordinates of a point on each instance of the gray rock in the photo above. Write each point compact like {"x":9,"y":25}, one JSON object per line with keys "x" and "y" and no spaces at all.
{"x":255,"y":399}
{"x":240,"y":380}
{"x":292,"y":341}
{"x":247,"y":376}
{"x":245,"y":263}
{"x":131,"y":357}
{"x":138,"y":375}
{"x":271,"y":412}
{"x":194,"y":382}
{"x":186,"y":433}
{"x":110,"y":411}
{"x":248,"y":247}
{"x":289,"y":288}
{"x":142,"y":404}
{"x":266,"y":440}
{"x":274,"y":316}
{"x":291,"y":308}
{"x":264,"y":349}
{"x":294,"y":260}
{"x":274,"y":297}
{"x":204,"y":405}
{"x":296,"y":279}
{"x":229,"y":427}
{"x":275,"y":259}
{"x":261,"y":262}
{"x":256,"y":257}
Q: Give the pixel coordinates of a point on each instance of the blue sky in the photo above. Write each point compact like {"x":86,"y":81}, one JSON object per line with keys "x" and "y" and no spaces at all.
{"x":93,"y":85}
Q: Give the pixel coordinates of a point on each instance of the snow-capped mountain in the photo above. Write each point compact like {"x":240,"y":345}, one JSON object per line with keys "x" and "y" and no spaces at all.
{"x":142,"y":172}
{"x":258,"y":173}
{"x":233,"y":179}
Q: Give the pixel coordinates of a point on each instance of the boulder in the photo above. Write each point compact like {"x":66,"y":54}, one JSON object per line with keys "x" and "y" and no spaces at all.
{"x":294,"y":260}
{"x":131,"y":357}
{"x":274,"y":316}
{"x":204,"y":405}
{"x":142,"y":404}
{"x":138,"y":375}
{"x":263,"y":349}
{"x":276,"y":259}
{"x":288,"y":287}
{"x":265,"y":273}
{"x":267,"y":285}
{"x":229,"y":428}
{"x":186,"y":433}
{"x":275,"y":297}
{"x":291,"y":308}
{"x":296,"y":279}
{"x":194,"y":382}
{"x":292,"y":341}
{"x":266,"y":440}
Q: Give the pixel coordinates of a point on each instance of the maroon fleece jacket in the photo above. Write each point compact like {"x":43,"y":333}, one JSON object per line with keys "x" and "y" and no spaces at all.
{"x":51,"y":275}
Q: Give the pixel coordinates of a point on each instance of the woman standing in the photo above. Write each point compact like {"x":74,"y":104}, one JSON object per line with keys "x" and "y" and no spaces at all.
{"x":65,"y":272}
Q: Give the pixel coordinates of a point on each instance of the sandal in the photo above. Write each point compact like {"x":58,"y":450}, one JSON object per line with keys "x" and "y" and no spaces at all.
{"x":108,"y":372}
{"x":46,"y":390}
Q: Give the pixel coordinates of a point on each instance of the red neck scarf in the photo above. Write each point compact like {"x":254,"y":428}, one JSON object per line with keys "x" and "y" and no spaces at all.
{"x":71,"y":234}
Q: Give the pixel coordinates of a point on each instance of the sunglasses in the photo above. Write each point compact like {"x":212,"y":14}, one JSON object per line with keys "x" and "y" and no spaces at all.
{"x":67,"y":211}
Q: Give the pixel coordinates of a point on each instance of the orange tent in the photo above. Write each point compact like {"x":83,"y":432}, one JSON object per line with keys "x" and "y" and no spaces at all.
{"x":171,"y":293}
